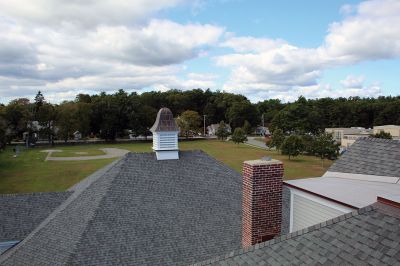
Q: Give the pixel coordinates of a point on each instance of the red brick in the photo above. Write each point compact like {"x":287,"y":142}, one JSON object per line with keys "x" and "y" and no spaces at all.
{"x":262,"y":202}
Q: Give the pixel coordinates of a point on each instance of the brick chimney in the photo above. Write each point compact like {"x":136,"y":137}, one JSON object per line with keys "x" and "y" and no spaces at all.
{"x":262,"y":200}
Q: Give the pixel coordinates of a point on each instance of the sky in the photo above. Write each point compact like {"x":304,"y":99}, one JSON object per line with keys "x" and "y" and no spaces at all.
{"x":261,"y":49}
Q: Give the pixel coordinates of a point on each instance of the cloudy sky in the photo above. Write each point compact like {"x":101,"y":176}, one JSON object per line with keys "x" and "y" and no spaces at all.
{"x":261,"y":49}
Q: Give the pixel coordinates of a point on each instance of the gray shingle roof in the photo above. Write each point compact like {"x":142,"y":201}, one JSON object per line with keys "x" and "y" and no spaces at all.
{"x":142,"y":211}
{"x":370,"y":156}
{"x":367,"y":236}
{"x":21,"y":213}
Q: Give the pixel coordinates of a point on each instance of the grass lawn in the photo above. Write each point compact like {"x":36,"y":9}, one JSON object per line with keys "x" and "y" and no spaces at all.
{"x":30,"y":173}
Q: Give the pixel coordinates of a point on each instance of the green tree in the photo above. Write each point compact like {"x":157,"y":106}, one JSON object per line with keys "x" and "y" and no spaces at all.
{"x":39,"y":101}
{"x":189,"y":121}
{"x":47,"y":116}
{"x":222,"y":131}
{"x":268,"y":109}
{"x":383,"y":135}
{"x":277,"y":138}
{"x":241,"y":111}
{"x":239,"y":135}
{"x":17,"y":115}
{"x":247,"y":127}
{"x":147,"y":116}
{"x":292,"y":146}
{"x":82,"y":116}
{"x":325,"y":147}
{"x":3,"y":130}
{"x":309,"y":144}
{"x":67,"y":120}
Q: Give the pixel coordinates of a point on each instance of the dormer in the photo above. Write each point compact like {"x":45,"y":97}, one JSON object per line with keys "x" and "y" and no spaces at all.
{"x":165,"y":136}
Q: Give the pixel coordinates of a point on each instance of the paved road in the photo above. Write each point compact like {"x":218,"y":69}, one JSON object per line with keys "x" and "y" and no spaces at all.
{"x":253,"y":142}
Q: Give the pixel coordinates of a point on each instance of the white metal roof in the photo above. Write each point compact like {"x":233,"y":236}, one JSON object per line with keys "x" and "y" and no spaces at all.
{"x":354,"y":192}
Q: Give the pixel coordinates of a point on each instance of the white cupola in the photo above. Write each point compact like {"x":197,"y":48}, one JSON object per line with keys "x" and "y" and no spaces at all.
{"x":165,"y":136}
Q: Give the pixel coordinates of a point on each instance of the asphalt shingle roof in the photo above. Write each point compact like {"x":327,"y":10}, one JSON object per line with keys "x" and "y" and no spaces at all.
{"x":142,"y":211}
{"x":21,"y":213}
{"x":369,"y":236}
{"x":370,"y":156}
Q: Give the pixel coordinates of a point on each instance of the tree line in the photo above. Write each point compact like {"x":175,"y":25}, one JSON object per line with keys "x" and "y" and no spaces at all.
{"x":109,"y":116}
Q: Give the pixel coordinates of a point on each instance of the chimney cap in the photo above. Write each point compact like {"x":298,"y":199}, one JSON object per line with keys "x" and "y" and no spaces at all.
{"x":164,"y":122}
{"x":262,"y":162}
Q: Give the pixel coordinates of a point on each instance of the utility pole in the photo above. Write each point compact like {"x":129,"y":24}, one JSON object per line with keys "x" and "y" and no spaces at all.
{"x":204,"y":125}
{"x":262,"y":119}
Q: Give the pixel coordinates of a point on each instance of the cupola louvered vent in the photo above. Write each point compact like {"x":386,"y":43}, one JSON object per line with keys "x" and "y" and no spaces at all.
{"x":165,"y":135}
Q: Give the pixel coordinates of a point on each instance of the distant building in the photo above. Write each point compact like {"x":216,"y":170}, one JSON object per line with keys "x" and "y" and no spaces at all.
{"x":349,"y":139}
{"x":394,"y":130}
{"x":262,"y":131}
{"x":212,"y":129}
{"x":347,"y":136}
{"x":77,"y":135}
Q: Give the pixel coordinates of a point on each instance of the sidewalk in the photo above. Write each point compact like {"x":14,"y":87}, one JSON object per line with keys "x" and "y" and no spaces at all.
{"x":253,"y":142}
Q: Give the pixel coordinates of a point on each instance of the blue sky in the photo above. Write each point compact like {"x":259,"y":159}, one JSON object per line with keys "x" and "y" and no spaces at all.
{"x":261,"y":49}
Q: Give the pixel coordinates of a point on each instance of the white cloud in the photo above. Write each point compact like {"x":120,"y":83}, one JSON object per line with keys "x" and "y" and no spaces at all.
{"x":366,"y":33}
{"x":370,"y":34}
{"x":251,"y":44}
{"x":46,"y":45}
{"x":353,"y":82}
{"x":315,"y":91}
{"x":63,"y":46}
{"x":89,"y":13}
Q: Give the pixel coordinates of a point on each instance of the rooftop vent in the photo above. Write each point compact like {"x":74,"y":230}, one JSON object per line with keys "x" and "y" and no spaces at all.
{"x":165,"y":136}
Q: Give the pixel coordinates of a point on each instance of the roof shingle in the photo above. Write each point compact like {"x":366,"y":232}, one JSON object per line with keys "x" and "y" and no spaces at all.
{"x":370,"y":156}
{"x":21,"y":213}
{"x":369,"y":235}
{"x":142,"y":211}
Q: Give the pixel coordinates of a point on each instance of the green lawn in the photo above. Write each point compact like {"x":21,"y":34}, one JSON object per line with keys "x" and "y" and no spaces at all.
{"x":30,"y":173}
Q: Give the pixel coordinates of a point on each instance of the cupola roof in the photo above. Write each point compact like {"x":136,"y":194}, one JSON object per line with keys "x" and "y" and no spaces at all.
{"x":164,"y":122}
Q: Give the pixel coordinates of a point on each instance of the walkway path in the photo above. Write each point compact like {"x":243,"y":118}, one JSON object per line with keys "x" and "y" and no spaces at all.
{"x":253,"y":142}
{"x":110,"y":153}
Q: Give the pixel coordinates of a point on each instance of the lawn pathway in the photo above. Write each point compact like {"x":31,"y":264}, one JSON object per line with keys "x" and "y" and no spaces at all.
{"x":256,"y":143}
{"x":110,"y":153}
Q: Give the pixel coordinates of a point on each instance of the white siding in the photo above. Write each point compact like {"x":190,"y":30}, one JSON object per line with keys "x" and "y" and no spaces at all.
{"x":308,"y":210}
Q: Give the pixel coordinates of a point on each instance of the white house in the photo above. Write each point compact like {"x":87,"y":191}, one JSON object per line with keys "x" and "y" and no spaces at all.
{"x":212,"y":129}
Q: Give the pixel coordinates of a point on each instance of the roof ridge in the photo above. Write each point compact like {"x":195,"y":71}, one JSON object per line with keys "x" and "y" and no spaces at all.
{"x":124,"y":158}
{"x":31,"y":193}
{"x":377,"y":140}
{"x":287,"y":236}
{"x":87,"y":181}
{"x":74,"y":195}
{"x":222,"y":164}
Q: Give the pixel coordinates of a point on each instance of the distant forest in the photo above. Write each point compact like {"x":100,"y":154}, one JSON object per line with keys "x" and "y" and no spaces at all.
{"x":110,"y":115}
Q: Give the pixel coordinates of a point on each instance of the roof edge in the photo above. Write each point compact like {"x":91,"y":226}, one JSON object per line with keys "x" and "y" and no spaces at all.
{"x":32,"y":193}
{"x":74,"y":195}
{"x":363,"y":177}
{"x":287,"y":236}
{"x":321,"y":196}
